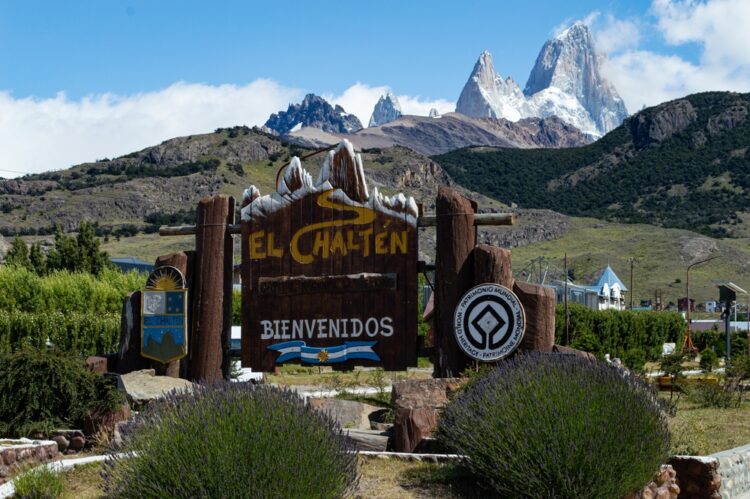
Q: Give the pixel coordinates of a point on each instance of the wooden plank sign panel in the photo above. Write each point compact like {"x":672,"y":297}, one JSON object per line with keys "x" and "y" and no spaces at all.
{"x":329,"y":271}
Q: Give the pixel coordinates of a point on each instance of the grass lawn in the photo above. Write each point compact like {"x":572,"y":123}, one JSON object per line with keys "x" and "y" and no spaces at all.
{"x":379,"y":478}
{"x":702,"y":431}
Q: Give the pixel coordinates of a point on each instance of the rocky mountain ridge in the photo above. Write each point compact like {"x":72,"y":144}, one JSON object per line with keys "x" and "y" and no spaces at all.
{"x":386,"y":110}
{"x":566,"y":81}
{"x":682,"y":164}
{"x":444,"y":133}
{"x":315,"y":112}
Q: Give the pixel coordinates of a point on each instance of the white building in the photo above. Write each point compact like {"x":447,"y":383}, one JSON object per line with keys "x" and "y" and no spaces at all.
{"x":607,"y":294}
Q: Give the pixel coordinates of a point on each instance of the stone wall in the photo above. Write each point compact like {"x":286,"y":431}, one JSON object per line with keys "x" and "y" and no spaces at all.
{"x":734,"y":468}
{"x":724,"y":475}
{"x":18,"y":453}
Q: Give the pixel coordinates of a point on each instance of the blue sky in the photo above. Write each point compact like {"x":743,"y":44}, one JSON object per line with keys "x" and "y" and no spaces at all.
{"x":419,"y":48}
{"x":88,"y":79}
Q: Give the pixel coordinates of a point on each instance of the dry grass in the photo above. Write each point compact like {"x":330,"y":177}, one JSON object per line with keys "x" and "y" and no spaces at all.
{"x":702,"y":431}
{"x":392,"y":478}
{"x":83,"y":482}
{"x":296,"y":375}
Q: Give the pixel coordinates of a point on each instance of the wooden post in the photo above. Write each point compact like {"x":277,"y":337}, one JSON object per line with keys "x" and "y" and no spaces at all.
{"x":539,"y":304}
{"x":129,"y":356}
{"x":178,"y":260}
{"x":492,"y":264}
{"x":206,"y":346}
{"x":454,"y":275}
{"x":226,"y":332}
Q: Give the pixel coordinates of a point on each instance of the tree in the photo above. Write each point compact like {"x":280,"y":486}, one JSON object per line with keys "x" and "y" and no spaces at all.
{"x":37,"y":259}
{"x":18,"y":254}
{"x":79,"y":254}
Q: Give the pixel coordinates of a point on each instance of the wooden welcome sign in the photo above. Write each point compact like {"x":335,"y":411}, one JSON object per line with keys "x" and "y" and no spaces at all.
{"x":329,"y":271}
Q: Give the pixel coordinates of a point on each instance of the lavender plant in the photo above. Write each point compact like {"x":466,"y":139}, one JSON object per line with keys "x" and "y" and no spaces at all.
{"x":558,"y":426}
{"x":232,"y":440}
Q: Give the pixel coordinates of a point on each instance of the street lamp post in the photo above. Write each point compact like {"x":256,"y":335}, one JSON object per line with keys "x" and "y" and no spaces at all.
{"x":688,"y":343}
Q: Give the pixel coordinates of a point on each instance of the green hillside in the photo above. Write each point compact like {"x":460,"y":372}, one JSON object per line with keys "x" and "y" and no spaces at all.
{"x":682,"y":164}
{"x":662,"y":256}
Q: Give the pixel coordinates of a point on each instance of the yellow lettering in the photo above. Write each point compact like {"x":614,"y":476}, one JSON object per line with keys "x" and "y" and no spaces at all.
{"x":337,"y":244}
{"x":380,"y":247}
{"x":272,"y":250}
{"x":321,"y":244}
{"x":364,"y":216}
{"x":256,"y":245}
{"x":365,"y":235}
{"x":350,"y":244}
{"x":398,"y":241}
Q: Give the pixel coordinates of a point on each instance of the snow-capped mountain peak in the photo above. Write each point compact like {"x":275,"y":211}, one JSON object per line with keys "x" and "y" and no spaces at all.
{"x":566,"y":81}
{"x":487,"y":95}
{"x":386,"y":110}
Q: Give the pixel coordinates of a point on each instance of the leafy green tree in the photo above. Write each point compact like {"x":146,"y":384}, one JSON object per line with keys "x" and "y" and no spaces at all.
{"x":37,"y":259}
{"x":18,"y":254}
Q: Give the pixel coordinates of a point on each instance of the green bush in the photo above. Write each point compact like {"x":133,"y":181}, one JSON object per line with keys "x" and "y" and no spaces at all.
{"x":78,"y":333}
{"x":558,"y":426}
{"x":63,"y":291}
{"x":39,"y":483}
{"x":40,"y":391}
{"x":709,"y":360}
{"x":617,"y":332}
{"x":635,"y":359}
{"x":232,"y":440}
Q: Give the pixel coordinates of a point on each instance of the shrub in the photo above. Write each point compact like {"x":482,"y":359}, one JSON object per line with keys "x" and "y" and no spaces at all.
{"x":635,"y":359}
{"x":232,"y":440}
{"x":75,"y":332}
{"x":40,"y":391}
{"x":558,"y":426}
{"x":39,"y":483}
{"x":709,"y":360}
{"x":616,"y":332}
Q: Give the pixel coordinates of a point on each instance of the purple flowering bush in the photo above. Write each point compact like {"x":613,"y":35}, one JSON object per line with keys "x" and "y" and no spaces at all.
{"x":232,"y":440}
{"x":558,"y":426}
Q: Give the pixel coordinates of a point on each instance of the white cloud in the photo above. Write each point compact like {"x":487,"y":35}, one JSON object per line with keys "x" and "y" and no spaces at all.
{"x":39,"y":135}
{"x":718,"y":27}
{"x":615,"y":35}
{"x":360,"y":100}
{"x":44,"y":134}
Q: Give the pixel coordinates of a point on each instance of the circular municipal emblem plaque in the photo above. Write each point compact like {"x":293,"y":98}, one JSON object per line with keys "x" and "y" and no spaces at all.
{"x":489,"y":322}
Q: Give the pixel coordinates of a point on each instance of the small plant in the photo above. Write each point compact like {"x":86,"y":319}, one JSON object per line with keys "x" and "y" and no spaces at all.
{"x":40,"y":391}
{"x":709,"y":360}
{"x":232,"y":440}
{"x":711,"y":394}
{"x":38,"y":483}
{"x":558,"y":426}
{"x":377,"y":378}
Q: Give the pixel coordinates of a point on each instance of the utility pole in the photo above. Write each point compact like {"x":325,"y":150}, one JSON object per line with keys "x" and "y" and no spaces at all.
{"x":565,"y":301}
{"x":632,"y":291}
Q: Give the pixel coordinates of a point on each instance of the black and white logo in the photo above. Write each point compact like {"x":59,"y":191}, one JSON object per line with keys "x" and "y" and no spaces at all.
{"x":489,"y":322}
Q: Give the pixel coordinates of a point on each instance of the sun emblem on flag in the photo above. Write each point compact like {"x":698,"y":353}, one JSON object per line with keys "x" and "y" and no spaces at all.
{"x":322,"y":356}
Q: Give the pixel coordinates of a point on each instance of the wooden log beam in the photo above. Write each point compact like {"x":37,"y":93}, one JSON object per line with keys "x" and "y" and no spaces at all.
{"x":492,"y":264}
{"x":539,"y":304}
{"x":208,"y":304}
{"x":480,"y":219}
{"x":454,"y":275}
{"x":129,"y":355}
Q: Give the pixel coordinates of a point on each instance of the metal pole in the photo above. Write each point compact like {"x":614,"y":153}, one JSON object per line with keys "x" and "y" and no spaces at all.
{"x":727,"y":316}
{"x":567,"y":318}
{"x":632,"y":292}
